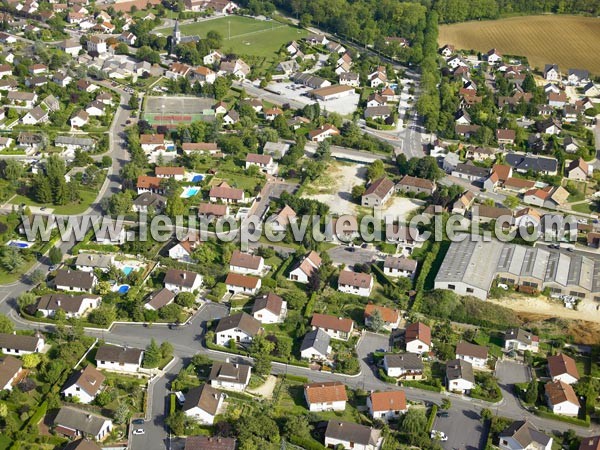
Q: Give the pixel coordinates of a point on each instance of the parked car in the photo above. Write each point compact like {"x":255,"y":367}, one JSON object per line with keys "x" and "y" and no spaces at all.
{"x":139,"y":431}
{"x":439,"y":436}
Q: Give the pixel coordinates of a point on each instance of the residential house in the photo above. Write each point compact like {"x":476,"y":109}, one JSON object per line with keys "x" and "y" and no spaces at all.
{"x":469,"y":171}
{"x":282,"y":219}
{"x":212,"y":210}
{"x":203,"y":75}
{"x":238,"y":68}
{"x":209,"y":443}
{"x":83,"y":385}
{"x":315,"y":345}
{"x":399,"y":267}
{"x":182,"y":280}
{"x":306,"y":268}
{"x":563,"y":368}
{"x":231,"y":118}
{"x":316,"y":39}
{"x":590,"y":443}
{"x":390,"y":317}
{"x":159,"y":299}
{"x":459,"y":376}
{"x":237,"y":283}
{"x":325,"y":396}
{"x":177,"y":173}
{"x":376,"y":100}
{"x":521,"y":340}
{"x":505,"y":136}
{"x":202,"y":404}
{"x":480,"y":154}
{"x":576,"y":77}
{"x":551,"y":72}
{"x":71,"y":47}
{"x":23,"y":99}
{"x":183,"y":250}
{"x":388,"y":405}
{"x":11,"y":371}
{"x":336,"y":327}
{"x":378,"y":113}
{"x":240,"y":327}
{"x":276,"y":150}
{"x":96,"y":45}
{"x":523,"y":435}
{"x":464,"y":203}
{"x":550,"y":125}
{"x":323,"y":132}
{"x":269,"y":308}
{"x":212,"y":58}
{"x":264,"y":162}
{"x":72,"y":305}
{"x":417,"y":338}
{"x":73,"y":280}
{"x":75,"y":422}
{"x":415,"y":185}
{"x":225,"y":193}
{"x":527,"y":217}
{"x":557,"y":100}
{"x":349,"y":79}
{"x":406,"y":366}
{"x":378,"y":193}
{"x":149,"y":202}
{"x":493,"y":57}
{"x":190,"y":148}
{"x":119,"y":359}
{"x":561,"y":398}
{"x":19,"y":345}
{"x":476,"y":355}
{"x":152,"y":142}
{"x":352,"y":436}
{"x":355,"y":283}
{"x":226,"y":375}
{"x":523,"y":163}
{"x":96,"y":108}
{"x":579,"y":170}
{"x":79,"y":119}
{"x":35,"y":116}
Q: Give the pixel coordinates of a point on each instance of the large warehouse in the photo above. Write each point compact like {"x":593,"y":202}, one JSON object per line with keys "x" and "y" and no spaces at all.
{"x":471,"y":266}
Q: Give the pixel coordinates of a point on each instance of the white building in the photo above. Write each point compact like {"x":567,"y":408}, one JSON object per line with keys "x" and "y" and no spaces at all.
{"x":72,"y":305}
{"x":246,"y":263}
{"x":302,"y":272}
{"x":388,"y":405}
{"x":75,"y":281}
{"x":74,"y":422}
{"x":240,"y":327}
{"x":352,"y":436}
{"x":19,"y":345}
{"x":182,"y":280}
{"x":459,"y":376}
{"x":522,"y":435}
{"x":84,"y":385}
{"x":203,"y":403}
{"x":326,"y":396}
{"x":119,"y":359}
{"x":11,"y":370}
{"x":561,"y":398}
{"x":399,"y":267}
{"x":336,"y":327}
{"x":417,"y":338}
{"x":563,"y":368}
{"x":477,"y":355}
{"x":408,"y":366}
{"x":270,"y":308}
{"x":355,"y":283}
{"x":237,"y":283}
{"x":315,"y":345}
{"x":226,"y":375}
{"x":521,"y":340}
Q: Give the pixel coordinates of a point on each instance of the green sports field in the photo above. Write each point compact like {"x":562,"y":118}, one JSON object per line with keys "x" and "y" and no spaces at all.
{"x":244,"y":35}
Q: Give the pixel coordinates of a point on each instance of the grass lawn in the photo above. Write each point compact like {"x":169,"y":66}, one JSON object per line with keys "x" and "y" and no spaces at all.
{"x":244,"y":35}
{"x":87,"y":197}
{"x":4,"y":442}
{"x":582,"y":208}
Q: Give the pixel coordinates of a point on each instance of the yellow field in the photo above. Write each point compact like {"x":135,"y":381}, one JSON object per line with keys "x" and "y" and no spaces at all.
{"x":569,"y":41}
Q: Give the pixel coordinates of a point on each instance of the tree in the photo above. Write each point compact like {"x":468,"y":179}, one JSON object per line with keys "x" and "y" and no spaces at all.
{"x":511,"y":202}
{"x":358,"y":191}
{"x":13,"y":170}
{"x":414,"y":421}
{"x":152,"y":356}
{"x":376,"y":321}
{"x":37,"y":276}
{"x":446,"y":404}
{"x":26,"y":299}
{"x":42,"y":190}
{"x":31,"y":360}
{"x":11,"y":260}
{"x":103,"y":315}
{"x":531,"y":394}
{"x":185,"y":299}
{"x":6,"y":325}
{"x":176,"y":422}
{"x":3,"y":410}
{"x":486,"y":414}
{"x":134,"y":101}
{"x":166,"y":350}
{"x":297,"y":425}
{"x":55,"y":255}
{"x":376,"y":170}
{"x":122,"y":413}
{"x":262,"y":365}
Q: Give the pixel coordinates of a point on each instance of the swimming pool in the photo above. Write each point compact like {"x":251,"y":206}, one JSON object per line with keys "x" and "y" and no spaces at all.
{"x":19,"y":244}
{"x":123,"y":289}
{"x":127,"y":270}
{"x":197,"y":178}
{"x":190,"y":192}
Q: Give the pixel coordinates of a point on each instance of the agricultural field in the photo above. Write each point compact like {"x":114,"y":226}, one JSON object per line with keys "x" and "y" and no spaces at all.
{"x":569,"y":41}
{"x":244,"y":35}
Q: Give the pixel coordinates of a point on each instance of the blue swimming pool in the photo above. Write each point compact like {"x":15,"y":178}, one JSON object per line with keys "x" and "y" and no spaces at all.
{"x":123,"y":289}
{"x":127,"y":270}
{"x":197,"y":178}
{"x":19,"y":244}
{"x":190,"y":192}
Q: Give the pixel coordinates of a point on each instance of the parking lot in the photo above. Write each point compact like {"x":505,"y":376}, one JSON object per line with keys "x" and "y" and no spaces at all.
{"x":509,"y":373}
{"x":463,"y":428}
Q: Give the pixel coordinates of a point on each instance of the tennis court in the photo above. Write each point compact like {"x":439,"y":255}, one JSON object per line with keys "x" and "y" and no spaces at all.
{"x":170,"y":110}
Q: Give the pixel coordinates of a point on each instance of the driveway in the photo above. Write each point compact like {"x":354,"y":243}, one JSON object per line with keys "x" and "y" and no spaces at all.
{"x":351,"y":255}
{"x":509,"y":373}
{"x":369,"y":343}
{"x":463,"y":428}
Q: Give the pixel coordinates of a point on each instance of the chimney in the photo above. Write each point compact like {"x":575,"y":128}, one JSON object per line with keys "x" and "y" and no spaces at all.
{"x":58,"y":302}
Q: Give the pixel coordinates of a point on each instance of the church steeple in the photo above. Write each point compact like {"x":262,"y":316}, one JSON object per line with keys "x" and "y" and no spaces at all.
{"x":176,"y":38}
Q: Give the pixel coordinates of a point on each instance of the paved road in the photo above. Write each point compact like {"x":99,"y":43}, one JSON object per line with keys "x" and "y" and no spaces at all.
{"x":464,"y":429}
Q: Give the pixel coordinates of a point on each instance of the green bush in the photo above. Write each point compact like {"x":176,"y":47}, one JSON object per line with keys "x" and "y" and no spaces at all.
{"x":297,"y":378}
{"x":306,"y":443}
{"x":571,"y":420}
{"x":431,"y":418}
{"x":422,"y":385}
{"x":384,"y":377}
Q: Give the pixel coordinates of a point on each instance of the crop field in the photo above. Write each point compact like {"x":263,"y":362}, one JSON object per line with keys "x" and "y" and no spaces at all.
{"x":569,"y":41}
{"x":244,"y":35}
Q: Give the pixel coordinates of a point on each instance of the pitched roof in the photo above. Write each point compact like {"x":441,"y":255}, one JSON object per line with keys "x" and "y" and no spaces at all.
{"x":160,"y":297}
{"x":562,"y":364}
{"x":232,"y":373}
{"x":327,"y":127}
{"x":68,"y":303}
{"x":579,"y":163}
{"x":89,"y":379}
{"x":148,"y":182}
{"x":525,"y":433}
{"x":271,"y":302}
{"x":227,"y":192}
{"x":388,"y":401}
{"x":209,"y":443}
{"x":406,"y":361}
{"x":468,"y":349}
{"x":502,"y":170}
{"x":388,"y":315}
{"x":77,"y":419}
{"x":422,"y":183}
{"x":212,"y":209}
{"x":245,"y":281}
{"x":199,"y":146}
{"x":332,"y":322}
{"x":401,"y":263}
{"x":122,"y":355}
{"x":418,"y":331}
{"x":182,"y":278}
{"x":204,"y":397}
{"x":168,"y":171}
{"x":590,"y":443}
{"x":256,"y":158}
{"x":246,"y":260}
{"x":380,"y":187}
{"x":352,"y":432}
{"x":356,"y":279}
{"x":317,"y":339}
{"x":559,"y":392}
{"x":326,"y":392}
{"x":9,"y":367}
{"x":243,"y":321}
{"x":74,"y":278}
{"x":19,"y":342}
{"x":156,"y":139}
{"x":457,"y":369}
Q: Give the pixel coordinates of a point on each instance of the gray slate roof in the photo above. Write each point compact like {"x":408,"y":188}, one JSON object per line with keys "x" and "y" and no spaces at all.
{"x":352,"y":432}
{"x":77,"y":419}
{"x":317,"y":339}
{"x":406,"y":361}
{"x":457,"y":369}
